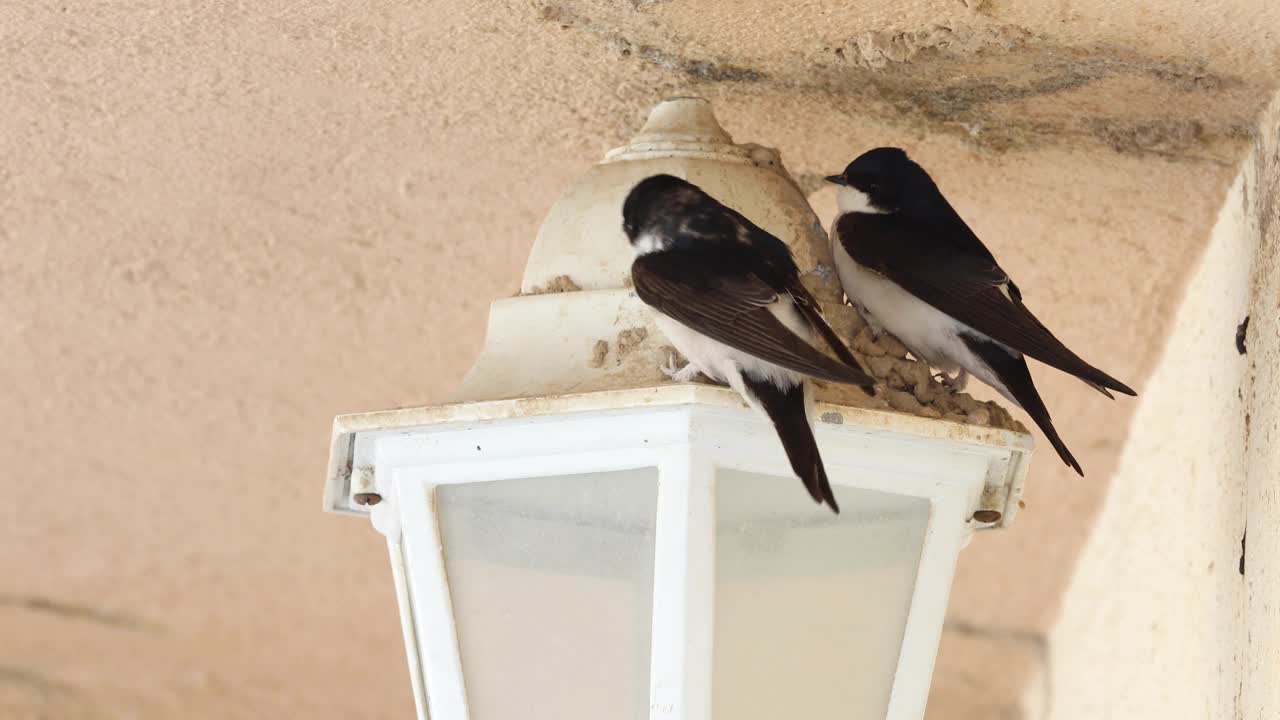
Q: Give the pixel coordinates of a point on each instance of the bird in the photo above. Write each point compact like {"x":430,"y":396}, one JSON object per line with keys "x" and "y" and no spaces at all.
{"x":728,"y":297}
{"x":912,"y":266}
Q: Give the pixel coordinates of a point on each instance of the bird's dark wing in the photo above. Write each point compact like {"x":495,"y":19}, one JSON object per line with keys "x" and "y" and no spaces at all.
{"x":937,"y":264}
{"x":808,"y":306}
{"x":732,"y":309}
{"x":770,"y":261}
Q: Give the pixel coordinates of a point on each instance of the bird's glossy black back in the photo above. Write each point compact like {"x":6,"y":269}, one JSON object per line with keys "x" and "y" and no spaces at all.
{"x":688,"y":220}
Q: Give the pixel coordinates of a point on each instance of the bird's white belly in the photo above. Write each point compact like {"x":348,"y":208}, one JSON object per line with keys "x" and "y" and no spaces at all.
{"x":926,"y":331}
{"x":726,"y":364}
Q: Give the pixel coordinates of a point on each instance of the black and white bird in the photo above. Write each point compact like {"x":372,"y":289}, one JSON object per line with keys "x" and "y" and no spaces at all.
{"x":728,"y":296}
{"x":914,"y":268}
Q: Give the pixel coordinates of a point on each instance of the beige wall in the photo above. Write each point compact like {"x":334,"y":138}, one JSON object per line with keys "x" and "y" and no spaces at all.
{"x":223,"y":223}
{"x":1169,"y":615}
{"x":1261,"y":646}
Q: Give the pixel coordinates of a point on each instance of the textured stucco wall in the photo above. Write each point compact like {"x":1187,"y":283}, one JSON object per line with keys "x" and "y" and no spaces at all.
{"x":1261,"y":646}
{"x":223,"y":223}
{"x":1171,"y":613}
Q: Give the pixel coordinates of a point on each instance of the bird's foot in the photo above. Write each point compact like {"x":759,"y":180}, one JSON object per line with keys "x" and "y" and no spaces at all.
{"x":680,"y":375}
{"x":954,"y":383}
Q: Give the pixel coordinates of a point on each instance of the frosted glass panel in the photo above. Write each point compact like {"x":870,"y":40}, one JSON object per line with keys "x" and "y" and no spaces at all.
{"x":810,"y":606}
{"x":552,"y":584}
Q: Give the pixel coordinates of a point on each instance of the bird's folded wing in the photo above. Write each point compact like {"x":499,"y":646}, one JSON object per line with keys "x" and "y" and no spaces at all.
{"x":808,"y":306}
{"x":969,"y":287}
{"x":733,"y":310}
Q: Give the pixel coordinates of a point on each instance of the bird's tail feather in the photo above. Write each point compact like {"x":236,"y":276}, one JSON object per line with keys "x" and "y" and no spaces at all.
{"x":1090,"y":375}
{"x":1062,"y":358}
{"x":788,"y":410}
{"x":1016,"y":378}
{"x":1100,"y":389}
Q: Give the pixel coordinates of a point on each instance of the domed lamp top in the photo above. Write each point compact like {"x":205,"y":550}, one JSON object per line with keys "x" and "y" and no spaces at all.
{"x":576,"y":337}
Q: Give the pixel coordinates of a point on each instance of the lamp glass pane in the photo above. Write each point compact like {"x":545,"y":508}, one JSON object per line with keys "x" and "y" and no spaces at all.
{"x":552,"y":587}
{"x":810,"y":606}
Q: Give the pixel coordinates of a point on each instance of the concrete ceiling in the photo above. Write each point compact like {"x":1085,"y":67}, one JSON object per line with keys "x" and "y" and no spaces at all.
{"x":224,"y":223}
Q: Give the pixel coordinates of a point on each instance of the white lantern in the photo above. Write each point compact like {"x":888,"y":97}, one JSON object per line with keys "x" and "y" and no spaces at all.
{"x":577,"y":538}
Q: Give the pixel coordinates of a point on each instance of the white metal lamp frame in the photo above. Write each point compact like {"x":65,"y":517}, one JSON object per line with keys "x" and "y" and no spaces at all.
{"x":687,"y":434}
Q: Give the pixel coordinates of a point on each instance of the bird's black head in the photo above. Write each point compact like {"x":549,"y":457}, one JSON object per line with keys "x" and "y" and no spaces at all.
{"x":652,"y":199}
{"x":884,"y":180}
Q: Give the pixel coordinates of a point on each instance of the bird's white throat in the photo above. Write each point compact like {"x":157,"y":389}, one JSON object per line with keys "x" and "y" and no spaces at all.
{"x":649,"y":242}
{"x":853,"y":200}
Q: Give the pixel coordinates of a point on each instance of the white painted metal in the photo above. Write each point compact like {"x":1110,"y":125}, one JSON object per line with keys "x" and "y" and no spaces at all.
{"x":683,"y":587}
{"x":430,"y":605}
{"x":408,"y":627}
{"x":687,"y":443}
{"x":1004,"y":480}
{"x":948,"y":530}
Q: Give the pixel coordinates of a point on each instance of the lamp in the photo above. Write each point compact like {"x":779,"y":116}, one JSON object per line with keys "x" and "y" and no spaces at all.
{"x":575,"y":537}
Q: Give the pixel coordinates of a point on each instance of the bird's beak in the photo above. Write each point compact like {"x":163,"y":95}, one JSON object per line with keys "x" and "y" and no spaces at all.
{"x":837,"y":179}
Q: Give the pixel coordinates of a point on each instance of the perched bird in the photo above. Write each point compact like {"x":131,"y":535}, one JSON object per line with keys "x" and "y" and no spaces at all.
{"x":728,"y":296}
{"x":914,"y":268}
